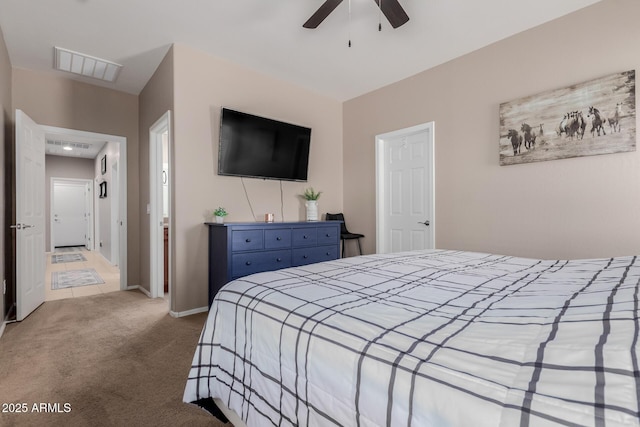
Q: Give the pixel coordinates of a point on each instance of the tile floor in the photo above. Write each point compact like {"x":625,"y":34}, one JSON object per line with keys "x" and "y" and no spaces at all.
{"x":109,"y":273}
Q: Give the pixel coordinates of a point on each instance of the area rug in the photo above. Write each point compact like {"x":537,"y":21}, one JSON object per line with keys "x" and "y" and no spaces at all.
{"x":70,"y":249}
{"x":73,"y":278}
{"x":57,"y":259}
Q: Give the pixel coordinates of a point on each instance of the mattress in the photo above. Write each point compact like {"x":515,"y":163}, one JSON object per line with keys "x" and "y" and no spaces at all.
{"x":426,"y":338}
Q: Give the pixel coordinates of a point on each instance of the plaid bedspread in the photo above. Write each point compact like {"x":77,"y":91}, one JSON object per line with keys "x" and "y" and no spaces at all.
{"x":435,"y":338}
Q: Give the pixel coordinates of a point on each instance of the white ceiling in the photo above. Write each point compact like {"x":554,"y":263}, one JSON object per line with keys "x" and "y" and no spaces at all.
{"x":267,"y":35}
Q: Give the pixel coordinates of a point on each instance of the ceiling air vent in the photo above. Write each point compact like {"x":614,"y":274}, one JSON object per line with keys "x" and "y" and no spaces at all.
{"x":78,"y":145}
{"x":85,"y":65}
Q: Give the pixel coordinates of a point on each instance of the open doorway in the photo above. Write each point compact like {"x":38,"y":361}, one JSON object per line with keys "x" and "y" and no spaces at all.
{"x":159,"y":207}
{"x":99,"y":261}
{"x":31,"y":186}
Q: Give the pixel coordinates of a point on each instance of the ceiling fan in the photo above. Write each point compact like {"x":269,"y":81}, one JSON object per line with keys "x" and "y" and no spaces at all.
{"x":391,"y":9}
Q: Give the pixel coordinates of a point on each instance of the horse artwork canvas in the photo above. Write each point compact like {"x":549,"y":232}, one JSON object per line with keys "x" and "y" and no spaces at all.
{"x":585,"y":119}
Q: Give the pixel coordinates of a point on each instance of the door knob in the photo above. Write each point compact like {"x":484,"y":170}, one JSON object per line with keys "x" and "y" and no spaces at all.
{"x":20,"y":226}
{"x":426,"y":222}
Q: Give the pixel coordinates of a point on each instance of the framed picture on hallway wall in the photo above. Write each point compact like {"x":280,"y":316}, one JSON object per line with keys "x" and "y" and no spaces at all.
{"x":103,"y":190}
{"x":103,"y":164}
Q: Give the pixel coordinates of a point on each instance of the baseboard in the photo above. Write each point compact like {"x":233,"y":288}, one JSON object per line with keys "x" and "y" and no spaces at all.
{"x":3,"y":326}
{"x":189,"y":312}
{"x":172,"y":313}
{"x":139,"y":288}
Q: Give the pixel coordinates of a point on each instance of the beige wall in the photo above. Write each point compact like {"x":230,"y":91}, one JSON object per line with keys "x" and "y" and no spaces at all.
{"x":62,"y":167}
{"x":56,"y":101}
{"x":155,"y":99}
{"x":6,"y":153}
{"x":204,"y":84}
{"x":573,"y":208}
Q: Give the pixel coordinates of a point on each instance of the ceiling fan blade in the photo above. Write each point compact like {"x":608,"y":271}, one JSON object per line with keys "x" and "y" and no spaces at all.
{"x":322,"y":12}
{"x":394,"y":12}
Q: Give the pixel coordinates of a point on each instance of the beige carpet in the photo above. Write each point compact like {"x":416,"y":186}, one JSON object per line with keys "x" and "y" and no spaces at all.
{"x":116,"y":359}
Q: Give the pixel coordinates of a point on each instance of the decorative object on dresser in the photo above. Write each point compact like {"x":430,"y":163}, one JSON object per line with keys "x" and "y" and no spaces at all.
{"x":219,"y":214}
{"x":311,"y":196}
{"x":243,"y":248}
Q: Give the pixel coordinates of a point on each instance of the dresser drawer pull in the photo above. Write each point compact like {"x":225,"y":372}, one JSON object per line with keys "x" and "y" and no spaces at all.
{"x":279,"y":259}
{"x":248,"y":263}
{"x":278,"y":238}
{"x":248,"y":240}
{"x":328,"y":253}
{"x":328,"y":235}
{"x":304,"y":237}
{"x":305,"y":256}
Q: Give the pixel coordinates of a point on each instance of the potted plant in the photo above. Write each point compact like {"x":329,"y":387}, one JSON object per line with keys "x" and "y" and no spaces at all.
{"x":220,"y":213}
{"x":311,"y":196}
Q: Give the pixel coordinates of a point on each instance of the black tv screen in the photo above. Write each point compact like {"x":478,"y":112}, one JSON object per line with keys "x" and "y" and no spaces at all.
{"x":258,"y":147}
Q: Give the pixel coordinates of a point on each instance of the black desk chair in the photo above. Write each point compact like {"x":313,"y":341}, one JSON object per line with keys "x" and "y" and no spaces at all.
{"x":344,"y":233}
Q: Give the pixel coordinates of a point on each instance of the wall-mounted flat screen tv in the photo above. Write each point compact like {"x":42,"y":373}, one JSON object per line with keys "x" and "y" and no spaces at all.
{"x":259,"y":147}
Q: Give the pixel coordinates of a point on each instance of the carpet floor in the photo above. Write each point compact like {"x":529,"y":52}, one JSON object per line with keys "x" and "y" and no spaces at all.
{"x":116,"y":359}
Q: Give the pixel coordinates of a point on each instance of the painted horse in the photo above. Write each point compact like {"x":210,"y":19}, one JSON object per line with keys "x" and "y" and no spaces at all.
{"x":614,"y":121}
{"x":529,"y":136}
{"x":576,"y":125}
{"x":516,"y":141}
{"x":597,"y":123}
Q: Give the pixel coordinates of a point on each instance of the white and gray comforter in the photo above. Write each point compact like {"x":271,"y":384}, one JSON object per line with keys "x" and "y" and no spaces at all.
{"x":430,"y":338}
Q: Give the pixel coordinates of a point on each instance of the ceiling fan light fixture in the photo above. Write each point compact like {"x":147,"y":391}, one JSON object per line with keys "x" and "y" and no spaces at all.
{"x":85,"y":65}
{"x":391,"y":9}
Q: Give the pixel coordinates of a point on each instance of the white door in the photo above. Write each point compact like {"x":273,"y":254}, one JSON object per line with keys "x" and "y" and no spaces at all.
{"x":405,"y":190}
{"x":69,"y":213}
{"x":30,"y":215}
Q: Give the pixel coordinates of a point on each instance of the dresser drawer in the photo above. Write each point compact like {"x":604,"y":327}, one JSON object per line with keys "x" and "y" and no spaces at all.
{"x":239,"y":249}
{"x":246,"y":240}
{"x":305,"y":236}
{"x":328,"y":235}
{"x":279,"y":238}
{"x":254,"y":262}
{"x":303,"y":256}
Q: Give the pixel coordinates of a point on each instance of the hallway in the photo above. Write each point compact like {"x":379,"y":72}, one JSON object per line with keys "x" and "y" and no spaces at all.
{"x":109,"y":274}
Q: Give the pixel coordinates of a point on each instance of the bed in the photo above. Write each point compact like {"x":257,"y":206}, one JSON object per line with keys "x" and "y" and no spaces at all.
{"x":426,"y":338}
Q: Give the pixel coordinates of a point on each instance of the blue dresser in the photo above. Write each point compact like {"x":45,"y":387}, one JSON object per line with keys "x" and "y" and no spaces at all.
{"x":238,"y":249}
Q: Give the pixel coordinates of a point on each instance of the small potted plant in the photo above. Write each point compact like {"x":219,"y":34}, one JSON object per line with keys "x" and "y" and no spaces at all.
{"x":220,"y":213}
{"x":311,"y":196}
